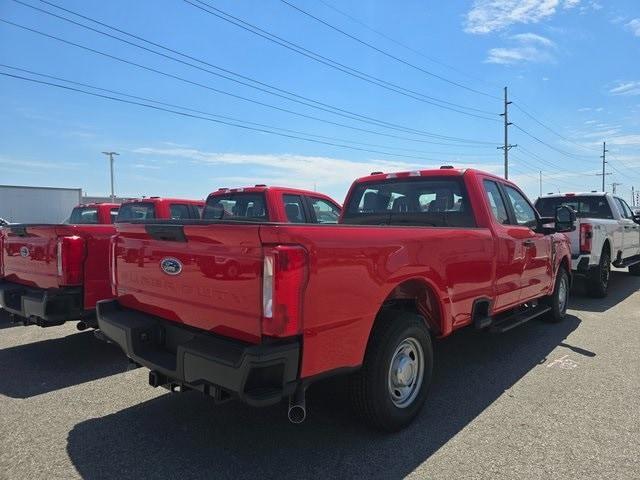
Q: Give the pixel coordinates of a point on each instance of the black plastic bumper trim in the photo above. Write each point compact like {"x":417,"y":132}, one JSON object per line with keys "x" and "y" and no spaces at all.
{"x":195,"y":358}
{"x":44,"y":307}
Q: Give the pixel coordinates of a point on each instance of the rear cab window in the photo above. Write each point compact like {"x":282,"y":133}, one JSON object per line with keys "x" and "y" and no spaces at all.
{"x":247,"y":206}
{"x":136,"y":211}
{"x":415,"y":201}
{"x":84,"y":216}
{"x":585,"y":206}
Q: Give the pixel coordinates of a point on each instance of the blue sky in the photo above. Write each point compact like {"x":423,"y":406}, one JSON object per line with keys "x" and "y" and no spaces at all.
{"x":573,"y":65}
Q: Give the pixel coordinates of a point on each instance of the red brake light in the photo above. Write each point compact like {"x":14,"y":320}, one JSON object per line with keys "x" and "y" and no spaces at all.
{"x":586,"y":236}
{"x":283,"y":280}
{"x":70,"y":260}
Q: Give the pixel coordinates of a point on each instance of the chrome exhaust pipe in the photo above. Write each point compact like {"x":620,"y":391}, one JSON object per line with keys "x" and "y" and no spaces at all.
{"x":297,"y":406}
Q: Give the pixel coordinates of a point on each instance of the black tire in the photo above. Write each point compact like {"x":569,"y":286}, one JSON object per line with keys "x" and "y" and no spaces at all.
{"x":635,"y":269}
{"x":555,"y":301}
{"x":598,"y":279}
{"x":370,"y":389}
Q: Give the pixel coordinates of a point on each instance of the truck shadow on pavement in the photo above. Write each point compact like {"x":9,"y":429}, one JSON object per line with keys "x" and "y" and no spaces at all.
{"x":186,"y":436}
{"x":5,"y":320}
{"x":621,"y":286}
{"x":49,"y":365}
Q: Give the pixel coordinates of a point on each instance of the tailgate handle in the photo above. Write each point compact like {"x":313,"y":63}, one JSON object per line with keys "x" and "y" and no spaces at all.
{"x":169,"y":233}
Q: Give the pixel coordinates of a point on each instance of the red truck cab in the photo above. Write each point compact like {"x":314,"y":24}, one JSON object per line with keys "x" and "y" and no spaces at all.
{"x":50,"y":274}
{"x":416,"y":256}
{"x":271,"y":204}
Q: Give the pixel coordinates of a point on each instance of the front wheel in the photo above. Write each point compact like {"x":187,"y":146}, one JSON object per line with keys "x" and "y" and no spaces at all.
{"x":391,"y":387}
{"x":559,"y":299}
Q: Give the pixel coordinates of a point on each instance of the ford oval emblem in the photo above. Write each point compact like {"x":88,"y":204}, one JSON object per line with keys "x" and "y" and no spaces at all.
{"x":171,"y":266}
{"x":24,"y":252}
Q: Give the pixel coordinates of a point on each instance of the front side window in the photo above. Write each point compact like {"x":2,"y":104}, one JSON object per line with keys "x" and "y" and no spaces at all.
{"x":326,"y":212}
{"x":179,"y":211}
{"x":294,"y":209}
{"x":84,"y":216}
{"x":418,"y":201}
{"x":625,"y":211}
{"x":136,"y":211}
{"x":524,"y":212}
{"x":498,"y":208}
{"x":236,"y":206}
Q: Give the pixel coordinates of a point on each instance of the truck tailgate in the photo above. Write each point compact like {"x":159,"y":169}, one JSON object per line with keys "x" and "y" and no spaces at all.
{"x":29,"y":254}
{"x":204,"y":277}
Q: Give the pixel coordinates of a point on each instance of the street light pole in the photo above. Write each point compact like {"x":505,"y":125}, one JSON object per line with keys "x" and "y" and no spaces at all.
{"x":110,"y":155}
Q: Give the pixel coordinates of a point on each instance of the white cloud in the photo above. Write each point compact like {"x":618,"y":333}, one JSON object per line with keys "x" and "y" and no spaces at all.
{"x":37,"y":165}
{"x":487,"y":16}
{"x":631,"y":87}
{"x":527,"y":47}
{"x":331,"y":175}
{"x":634,"y":26}
{"x":624,"y":140}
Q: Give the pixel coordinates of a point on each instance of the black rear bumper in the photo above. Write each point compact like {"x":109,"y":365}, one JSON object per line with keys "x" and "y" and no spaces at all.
{"x":44,"y":307}
{"x":179,"y":355}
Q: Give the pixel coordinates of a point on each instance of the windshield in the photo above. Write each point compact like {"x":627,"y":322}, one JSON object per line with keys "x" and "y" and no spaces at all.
{"x":236,"y":206}
{"x":83,"y":216}
{"x":136,"y":211}
{"x":435,"y":202}
{"x":585,"y":206}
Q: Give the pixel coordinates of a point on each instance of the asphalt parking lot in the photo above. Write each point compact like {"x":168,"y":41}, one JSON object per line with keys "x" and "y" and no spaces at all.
{"x":542,"y":401}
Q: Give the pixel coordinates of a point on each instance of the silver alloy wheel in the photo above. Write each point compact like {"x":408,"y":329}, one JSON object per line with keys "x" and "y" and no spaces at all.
{"x":406,"y":372}
{"x":563,"y":289}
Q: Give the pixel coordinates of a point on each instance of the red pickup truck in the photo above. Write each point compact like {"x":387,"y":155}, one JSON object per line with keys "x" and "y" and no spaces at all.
{"x":417,"y":256}
{"x":53,"y":273}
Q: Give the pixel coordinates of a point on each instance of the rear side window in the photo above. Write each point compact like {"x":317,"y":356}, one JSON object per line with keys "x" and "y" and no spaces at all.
{"x":524,"y":212}
{"x":498,"y":208}
{"x":113,"y":214}
{"x":421,"y":201}
{"x":325,"y":212}
{"x":83,"y":216}
{"x":588,"y":206}
{"x":179,"y":211}
{"x":294,"y":209}
{"x":625,"y":211}
{"x":136,"y":211}
{"x":236,"y":206}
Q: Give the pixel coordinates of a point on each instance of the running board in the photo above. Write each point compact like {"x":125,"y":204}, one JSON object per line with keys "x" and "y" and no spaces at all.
{"x":620,"y":263}
{"x":517,"y":319}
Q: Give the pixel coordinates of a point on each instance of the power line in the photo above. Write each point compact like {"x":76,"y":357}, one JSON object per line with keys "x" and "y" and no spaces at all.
{"x":549,"y":128}
{"x":387,"y":54}
{"x":567,"y":154}
{"x":298,"y":98}
{"x":333,"y":63}
{"x":176,"y":77}
{"x":401,"y":44}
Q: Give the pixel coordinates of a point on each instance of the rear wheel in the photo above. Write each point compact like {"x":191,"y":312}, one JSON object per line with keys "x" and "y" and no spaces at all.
{"x":635,"y":269}
{"x":391,"y":387}
{"x":559,"y":299}
{"x":598,"y":279}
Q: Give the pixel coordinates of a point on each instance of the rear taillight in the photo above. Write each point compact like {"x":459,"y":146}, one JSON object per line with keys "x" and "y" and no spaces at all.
{"x":70,"y":260}
{"x":283,"y":280}
{"x":586,"y":236}
{"x":112,"y":263}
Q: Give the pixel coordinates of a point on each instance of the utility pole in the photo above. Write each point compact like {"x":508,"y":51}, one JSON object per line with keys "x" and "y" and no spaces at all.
{"x":540,"y":182}
{"x":613,"y":187}
{"x":506,"y":146}
{"x":110,"y":155}
{"x":633,"y":196}
{"x":604,"y":163}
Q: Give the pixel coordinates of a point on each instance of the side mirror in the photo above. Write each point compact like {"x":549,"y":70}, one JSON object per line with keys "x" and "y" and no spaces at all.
{"x":565,"y":219}
{"x":636,"y":218}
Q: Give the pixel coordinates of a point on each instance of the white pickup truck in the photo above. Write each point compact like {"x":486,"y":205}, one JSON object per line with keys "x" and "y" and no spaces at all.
{"x":607,"y":233}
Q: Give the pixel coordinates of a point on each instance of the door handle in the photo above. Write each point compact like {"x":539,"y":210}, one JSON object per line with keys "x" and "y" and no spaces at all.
{"x":528,"y":243}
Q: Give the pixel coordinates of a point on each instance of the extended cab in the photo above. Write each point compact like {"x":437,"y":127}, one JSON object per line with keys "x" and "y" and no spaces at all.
{"x":608,"y":234}
{"x":417,"y":256}
{"x":53,"y":273}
